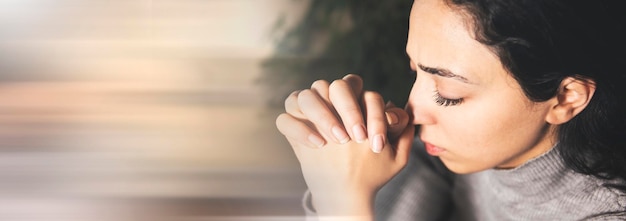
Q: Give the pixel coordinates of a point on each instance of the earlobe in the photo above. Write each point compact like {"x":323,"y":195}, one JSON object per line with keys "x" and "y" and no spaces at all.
{"x":572,"y":98}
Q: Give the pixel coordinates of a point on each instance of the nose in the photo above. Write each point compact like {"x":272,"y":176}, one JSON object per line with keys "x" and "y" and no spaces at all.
{"x":420,"y":104}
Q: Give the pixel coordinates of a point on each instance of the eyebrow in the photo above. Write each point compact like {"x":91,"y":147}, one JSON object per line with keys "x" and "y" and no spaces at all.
{"x":444,"y":73}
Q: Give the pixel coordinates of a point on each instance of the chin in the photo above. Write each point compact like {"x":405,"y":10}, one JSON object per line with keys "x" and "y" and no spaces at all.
{"x":461,"y":168}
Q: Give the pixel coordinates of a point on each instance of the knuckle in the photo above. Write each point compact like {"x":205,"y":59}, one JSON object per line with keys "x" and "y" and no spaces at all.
{"x":306,"y":99}
{"x":338,"y":84}
{"x":371,"y":95}
{"x":291,"y":99}
{"x":293,"y":95}
{"x":320,"y":84}
{"x":350,"y":75}
{"x":281,"y":120}
{"x":305,"y":94}
{"x":353,"y":78}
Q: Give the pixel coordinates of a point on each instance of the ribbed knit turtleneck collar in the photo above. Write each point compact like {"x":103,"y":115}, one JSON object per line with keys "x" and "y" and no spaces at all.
{"x":543,"y":176}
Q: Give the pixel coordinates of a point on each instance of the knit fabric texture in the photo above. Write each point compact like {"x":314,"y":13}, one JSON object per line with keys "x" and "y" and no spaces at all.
{"x":541,"y":189}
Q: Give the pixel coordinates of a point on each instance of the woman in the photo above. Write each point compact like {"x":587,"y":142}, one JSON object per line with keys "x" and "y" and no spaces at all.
{"x":519,"y":107}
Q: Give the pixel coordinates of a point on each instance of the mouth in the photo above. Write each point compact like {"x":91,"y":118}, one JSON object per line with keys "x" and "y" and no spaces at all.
{"x":433,"y":150}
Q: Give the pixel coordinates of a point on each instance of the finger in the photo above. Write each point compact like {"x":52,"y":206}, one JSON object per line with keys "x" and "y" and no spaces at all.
{"x":348,"y":109}
{"x":356,"y":83}
{"x":405,"y":142}
{"x":376,"y":119}
{"x":298,"y":131}
{"x":292,"y":107}
{"x":321,"y":87}
{"x":316,"y":111}
{"x":390,"y":104}
{"x":397,"y":119}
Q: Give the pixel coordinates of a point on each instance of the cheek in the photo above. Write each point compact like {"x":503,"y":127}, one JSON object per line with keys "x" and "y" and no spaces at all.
{"x":483,"y":134}
{"x":476,"y":131}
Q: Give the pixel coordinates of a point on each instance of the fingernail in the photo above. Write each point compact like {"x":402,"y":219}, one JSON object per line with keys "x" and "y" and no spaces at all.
{"x":359,"y":133}
{"x":392,"y":118}
{"x":316,"y":140}
{"x":377,"y":143}
{"x":340,"y":134}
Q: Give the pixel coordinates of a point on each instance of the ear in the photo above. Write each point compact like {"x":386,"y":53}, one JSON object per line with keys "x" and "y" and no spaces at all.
{"x":573,"y":96}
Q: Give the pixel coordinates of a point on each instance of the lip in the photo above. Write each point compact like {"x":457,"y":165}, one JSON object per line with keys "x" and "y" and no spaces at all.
{"x":433,"y":150}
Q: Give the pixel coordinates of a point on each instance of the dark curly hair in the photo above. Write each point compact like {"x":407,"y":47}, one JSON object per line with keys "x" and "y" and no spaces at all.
{"x":542,"y":42}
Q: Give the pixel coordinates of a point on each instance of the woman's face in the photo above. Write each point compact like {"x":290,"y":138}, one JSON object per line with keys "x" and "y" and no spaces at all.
{"x":472,"y":112}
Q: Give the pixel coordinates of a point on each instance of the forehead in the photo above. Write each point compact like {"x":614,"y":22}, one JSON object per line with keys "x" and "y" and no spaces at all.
{"x":440,"y":36}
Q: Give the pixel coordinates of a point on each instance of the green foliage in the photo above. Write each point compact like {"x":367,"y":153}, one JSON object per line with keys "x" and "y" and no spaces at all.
{"x":337,"y":37}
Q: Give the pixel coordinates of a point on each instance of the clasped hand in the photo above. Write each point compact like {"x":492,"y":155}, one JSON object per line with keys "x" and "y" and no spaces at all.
{"x":348,"y":142}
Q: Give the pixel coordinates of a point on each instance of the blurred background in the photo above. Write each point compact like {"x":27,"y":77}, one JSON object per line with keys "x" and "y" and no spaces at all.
{"x":164,"y":109}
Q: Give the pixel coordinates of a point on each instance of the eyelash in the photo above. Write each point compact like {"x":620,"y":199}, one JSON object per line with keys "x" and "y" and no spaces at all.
{"x":442,"y":101}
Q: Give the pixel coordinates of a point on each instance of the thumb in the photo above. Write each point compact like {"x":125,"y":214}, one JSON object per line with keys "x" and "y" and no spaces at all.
{"x":397,"y":119}
{"x":405,"y":142}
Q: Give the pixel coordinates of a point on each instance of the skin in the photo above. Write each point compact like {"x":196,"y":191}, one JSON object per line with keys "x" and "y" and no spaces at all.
{"x":351,"y":170}
{"x":493,"y":124}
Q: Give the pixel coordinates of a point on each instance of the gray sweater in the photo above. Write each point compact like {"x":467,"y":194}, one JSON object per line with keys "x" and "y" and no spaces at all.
{"x":541,"y":189}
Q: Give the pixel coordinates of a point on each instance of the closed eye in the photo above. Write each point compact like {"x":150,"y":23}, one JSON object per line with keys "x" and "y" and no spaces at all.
{"x":443,"y":101}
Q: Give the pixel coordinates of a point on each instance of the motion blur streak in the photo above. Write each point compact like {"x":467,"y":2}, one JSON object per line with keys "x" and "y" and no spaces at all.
{"x":141,"y":110}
